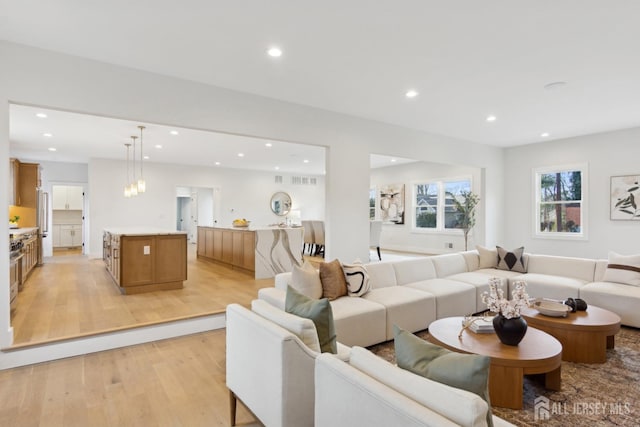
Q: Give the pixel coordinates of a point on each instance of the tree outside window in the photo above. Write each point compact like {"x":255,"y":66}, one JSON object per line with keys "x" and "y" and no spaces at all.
{"x":434,"y":205}
{"x":559,"y":201}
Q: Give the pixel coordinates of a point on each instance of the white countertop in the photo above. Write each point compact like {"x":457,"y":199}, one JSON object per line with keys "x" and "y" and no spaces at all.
{"x":141,"y":231}
{"x":23,"y":230}
{"x":253,"y":228}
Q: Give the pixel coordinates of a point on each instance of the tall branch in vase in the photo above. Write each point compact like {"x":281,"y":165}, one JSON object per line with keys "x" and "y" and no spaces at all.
{"x":465,"y":204}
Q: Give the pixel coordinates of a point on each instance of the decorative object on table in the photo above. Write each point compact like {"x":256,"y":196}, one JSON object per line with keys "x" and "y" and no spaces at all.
{"x":576,"y":304}
{"x":465,"y":204}
{"x":392,"y":203}
{"x":552,"y":308}
{"x":508,"y":324}
{"x":625,"y":195}
{"x":241,"y":222}
{"x":13,"y":221}
{"x":477,"y":324}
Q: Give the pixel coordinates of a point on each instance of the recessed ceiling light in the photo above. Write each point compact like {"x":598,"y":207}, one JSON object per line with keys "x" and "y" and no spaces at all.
{"x":393,"y":160}
{"x":41,"y":115}
{"x":240,"y":154}
{"x":555,"y":85}
{"x":277,"y":168}
{"x":146,"y":157}
{"x":411,"y":93}
{"x":174,"y":132}
{"x":268,"y":144}
{"x":544,"y":134}
{"x":52,"y":149}
{"x":274,"y":52}
{"x":158,"y":146}
{"x":217,"y":163}
{"x":47,"y":134}
{"x":491,"y":118}
{"x":305,"y":161}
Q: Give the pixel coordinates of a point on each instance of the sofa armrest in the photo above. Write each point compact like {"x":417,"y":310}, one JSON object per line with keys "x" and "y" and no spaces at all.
{"x":282,"y":280}
{"x":275,"y":297}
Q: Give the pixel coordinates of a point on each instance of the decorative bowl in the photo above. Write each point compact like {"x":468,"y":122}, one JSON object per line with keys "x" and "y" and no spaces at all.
{"x":242,"y":224}
{"x":551,"y":308}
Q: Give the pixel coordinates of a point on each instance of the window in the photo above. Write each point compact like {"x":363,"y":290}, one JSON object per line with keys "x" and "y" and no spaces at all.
{"x":372,"y":203}
{"x":433,"y":202}
{"x":559,"y":202}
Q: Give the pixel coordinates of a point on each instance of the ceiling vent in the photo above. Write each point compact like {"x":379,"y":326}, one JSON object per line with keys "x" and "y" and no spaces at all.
{"x":304,"y":180}
{"x":278,"y":179}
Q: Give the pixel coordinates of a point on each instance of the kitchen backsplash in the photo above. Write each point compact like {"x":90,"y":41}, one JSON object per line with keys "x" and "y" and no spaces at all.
{"x":27,"y":216}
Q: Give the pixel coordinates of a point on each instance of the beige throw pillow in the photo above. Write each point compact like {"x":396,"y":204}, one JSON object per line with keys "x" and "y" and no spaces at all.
{"x":306,"y":280}
{"x":357,"y":278}
{"x":334,"y":284}
{"x":488,"y":257}
{"x":623,"y":269}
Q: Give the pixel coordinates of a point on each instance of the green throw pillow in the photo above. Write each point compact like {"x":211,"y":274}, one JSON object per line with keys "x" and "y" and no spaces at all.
{"x":465,"y":371}
{"x":319,"y":311}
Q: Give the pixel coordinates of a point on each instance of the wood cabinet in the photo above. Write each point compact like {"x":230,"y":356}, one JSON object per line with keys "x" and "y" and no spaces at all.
{"x":24,"y":182}
{"x":14,"y":279}
{"x":146,"y":262}
{"x":235,"y":248}
{"x":30,"y":252}
{"x":67,"y":197}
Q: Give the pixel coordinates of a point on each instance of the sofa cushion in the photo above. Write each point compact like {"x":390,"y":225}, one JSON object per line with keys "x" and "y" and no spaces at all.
{"x":302,"y":327}
{"x":319,"y":311}
{"x":460,"y":406}
{"x":359,"y":321}
{"x":413,"y":270}
{"x":465,"y":371}
{"x":480,"y":280}
{"x":306,"y":280}
{"x":616,"y":297}
{"x":549,"y":286}
{"x":381,"y":275}
{"x":408,"y":308}
{"x":453,"y":298}
{"x":511,"y":260}
{"x":579,"y":268}
{"x":488,"y":257}
{"x":449,"y":264}
{"x":334,"y":284}
{"x":623,"y":269}
{"x":357,"y":279}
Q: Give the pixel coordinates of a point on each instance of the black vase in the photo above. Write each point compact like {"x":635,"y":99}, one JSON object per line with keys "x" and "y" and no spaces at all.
{"x":509,"y":331}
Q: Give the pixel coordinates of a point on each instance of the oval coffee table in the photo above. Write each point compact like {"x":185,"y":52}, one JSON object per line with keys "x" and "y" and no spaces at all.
{"x":537,"y":353}
{"x":585,"y":335}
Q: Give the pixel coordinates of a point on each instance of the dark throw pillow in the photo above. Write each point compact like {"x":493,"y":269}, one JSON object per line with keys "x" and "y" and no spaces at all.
{"x":334,"y":284}
{"x":511,"y":261}
{"x":464,"y":371}
{"x":319,"y":311}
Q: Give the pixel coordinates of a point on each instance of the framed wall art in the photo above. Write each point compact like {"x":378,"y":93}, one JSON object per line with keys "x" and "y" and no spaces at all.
{"x":392,"y":203}
{"x":625,"y":197}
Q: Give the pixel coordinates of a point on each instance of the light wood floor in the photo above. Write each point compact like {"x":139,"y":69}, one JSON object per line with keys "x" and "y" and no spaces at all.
{"x":175,"y":382}
{"x":72,"y":295}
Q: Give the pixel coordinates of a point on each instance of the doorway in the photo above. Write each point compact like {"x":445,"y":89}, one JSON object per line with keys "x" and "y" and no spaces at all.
{"x":67,"y":219}
{"x":195,"y":207}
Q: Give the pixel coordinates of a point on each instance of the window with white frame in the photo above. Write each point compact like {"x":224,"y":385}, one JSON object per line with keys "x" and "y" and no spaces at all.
{"x":560,"y":208}
{"x":433,"y":203}
{"x":372,"y":203}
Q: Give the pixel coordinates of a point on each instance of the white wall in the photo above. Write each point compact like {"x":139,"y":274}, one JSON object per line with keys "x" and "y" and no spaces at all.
{"x":43,"y":78}
{"x":607,"y":154}
{"x":401,"y":237}
{"x":243,"y":194}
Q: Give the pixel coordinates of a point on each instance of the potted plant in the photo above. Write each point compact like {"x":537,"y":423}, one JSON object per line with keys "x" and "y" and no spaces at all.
{"x":465,"y":204}
{"x":13,"y":221}
{"x":509,"y":326}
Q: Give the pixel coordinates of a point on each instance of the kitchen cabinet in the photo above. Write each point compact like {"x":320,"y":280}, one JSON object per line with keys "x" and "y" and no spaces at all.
{"x":67,"y":235}
{"x":14,"y":279}
{"x":30,"y":251}
{"x":67,"y":197}
{"x":24,"y":182}
{"x":233,"y":247}
{"x":145,"y":261}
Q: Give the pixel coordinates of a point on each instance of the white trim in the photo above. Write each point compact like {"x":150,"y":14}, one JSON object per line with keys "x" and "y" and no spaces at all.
{"x":440,"y":207}
{"x":535,"y":176}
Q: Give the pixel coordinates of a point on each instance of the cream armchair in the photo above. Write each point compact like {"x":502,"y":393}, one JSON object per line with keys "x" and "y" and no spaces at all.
{"x":270,"y":364}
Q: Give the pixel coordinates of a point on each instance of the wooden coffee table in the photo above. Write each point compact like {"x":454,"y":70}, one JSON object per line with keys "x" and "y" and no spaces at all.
{"x":585,"y":335}
{"x":537,"y":353}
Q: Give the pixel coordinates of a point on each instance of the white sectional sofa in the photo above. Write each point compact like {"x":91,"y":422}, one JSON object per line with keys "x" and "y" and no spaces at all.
{"x":368,"y":391}
{"x":413,"y":293}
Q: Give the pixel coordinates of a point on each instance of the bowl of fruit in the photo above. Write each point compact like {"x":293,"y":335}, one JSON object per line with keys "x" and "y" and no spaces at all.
{"x":241,"y":222}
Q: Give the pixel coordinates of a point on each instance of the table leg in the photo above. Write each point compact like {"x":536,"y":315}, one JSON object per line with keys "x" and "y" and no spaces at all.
{"x":552,"y":380}
{"x":611,"y":341}
{"x":505,"y":386}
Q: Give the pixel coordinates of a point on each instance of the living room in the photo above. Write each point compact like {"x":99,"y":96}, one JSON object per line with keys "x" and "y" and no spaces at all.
{"x":49,"y":75}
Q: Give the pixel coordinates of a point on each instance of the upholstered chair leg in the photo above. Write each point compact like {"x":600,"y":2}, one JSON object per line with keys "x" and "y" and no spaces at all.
{"x":233,"y":401}
{"x":379,"y":257}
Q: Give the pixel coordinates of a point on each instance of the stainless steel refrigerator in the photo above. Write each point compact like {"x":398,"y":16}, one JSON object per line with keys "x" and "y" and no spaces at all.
{"x":42,"y":219}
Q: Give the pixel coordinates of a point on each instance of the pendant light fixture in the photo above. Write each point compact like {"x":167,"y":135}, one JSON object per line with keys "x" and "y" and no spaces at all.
{"x":134,"y":184}
{"x":142,"y":185}
{"x":127,"y":187}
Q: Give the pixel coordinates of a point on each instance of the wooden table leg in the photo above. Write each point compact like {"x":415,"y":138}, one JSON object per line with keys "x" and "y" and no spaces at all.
{"x":505,"y":386}
{"x":552,"y":380}
{"x":611,"y":341}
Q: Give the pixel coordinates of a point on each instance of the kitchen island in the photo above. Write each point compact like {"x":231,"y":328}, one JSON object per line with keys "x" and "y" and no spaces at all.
{"x":261,"y":251}
{"x":145,"y":259}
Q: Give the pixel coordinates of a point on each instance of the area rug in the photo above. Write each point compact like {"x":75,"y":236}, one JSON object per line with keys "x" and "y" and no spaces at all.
{"x":606,"y":394}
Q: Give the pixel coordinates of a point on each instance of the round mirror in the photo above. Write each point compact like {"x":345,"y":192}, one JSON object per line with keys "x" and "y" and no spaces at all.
{"x":280,"y":203}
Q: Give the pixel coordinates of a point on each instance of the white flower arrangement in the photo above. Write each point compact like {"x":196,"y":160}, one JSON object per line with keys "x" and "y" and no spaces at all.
{"x":497,"y":303}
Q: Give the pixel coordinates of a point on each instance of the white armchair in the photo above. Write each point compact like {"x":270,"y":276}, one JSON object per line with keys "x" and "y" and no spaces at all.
{"x":375,"y":230}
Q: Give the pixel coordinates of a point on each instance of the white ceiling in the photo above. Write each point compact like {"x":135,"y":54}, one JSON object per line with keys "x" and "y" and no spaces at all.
{"x":466,"y":58}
